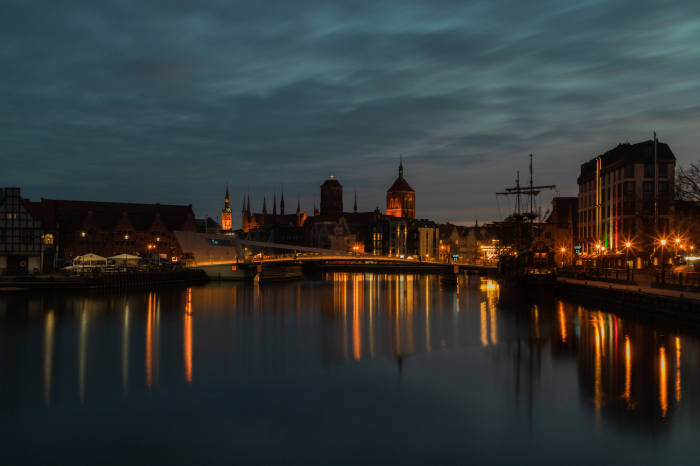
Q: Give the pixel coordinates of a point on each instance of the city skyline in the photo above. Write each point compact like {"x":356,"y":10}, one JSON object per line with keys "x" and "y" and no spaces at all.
{"x":146,"y":103}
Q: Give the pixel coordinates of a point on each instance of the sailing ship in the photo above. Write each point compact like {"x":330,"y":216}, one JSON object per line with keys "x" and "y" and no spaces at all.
{"x":533,"y":264}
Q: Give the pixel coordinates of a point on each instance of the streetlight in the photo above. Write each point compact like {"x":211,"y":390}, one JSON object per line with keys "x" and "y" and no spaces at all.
{"x":663,"y":270}
{"x":83,"y":261}
{"x":627,"y":263}
{"x":126,"y":245}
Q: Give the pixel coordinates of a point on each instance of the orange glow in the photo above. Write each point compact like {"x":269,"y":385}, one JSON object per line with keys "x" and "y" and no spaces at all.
{"x":628,"y":372}
{"x":562,"y":321}
{"x":663,"y":242}
{"x":149,"y":338}
{"x":663,"y":393}
{"x":484,"y":326}
{"x":356,"y":338}
{"x":188,"y":337}
{"x":628,"y":244}
{"x":678,"y":371}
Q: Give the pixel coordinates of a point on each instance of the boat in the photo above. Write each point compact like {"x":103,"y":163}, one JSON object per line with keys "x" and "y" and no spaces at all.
{"x":532,"y":264}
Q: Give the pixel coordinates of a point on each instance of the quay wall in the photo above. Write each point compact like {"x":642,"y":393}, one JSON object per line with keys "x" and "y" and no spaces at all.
{"x":634,"y":300}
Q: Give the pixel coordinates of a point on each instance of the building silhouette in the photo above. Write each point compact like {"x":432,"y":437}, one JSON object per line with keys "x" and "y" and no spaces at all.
{"x":401,"y":198}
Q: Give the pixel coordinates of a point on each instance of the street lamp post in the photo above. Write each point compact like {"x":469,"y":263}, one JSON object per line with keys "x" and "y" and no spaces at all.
{"x":83,"y":261}
{"x":663,"y":269}
{"x":627,"y":264}
{"x":126,"y":245}
{"x":597,"y":269}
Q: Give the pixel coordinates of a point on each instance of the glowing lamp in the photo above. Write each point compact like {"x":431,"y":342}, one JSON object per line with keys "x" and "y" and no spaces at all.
{"x":628,"y":244}
{"x":663,"y":242}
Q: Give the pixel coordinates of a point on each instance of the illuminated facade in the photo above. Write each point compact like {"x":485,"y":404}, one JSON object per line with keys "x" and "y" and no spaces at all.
{"x":226,"y":214}
{"x":624,"y":194}
{"x":401,"y":198}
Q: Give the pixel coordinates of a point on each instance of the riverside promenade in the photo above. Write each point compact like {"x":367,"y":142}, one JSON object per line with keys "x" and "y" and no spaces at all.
{"x":684,"y":305}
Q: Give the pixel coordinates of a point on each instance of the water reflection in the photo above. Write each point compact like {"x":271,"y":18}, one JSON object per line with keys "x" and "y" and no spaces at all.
{"x":625,"y":369}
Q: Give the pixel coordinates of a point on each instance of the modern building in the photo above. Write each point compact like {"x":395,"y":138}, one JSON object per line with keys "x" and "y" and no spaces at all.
{"x":626,"y":195}
{"x":21,"y":242}
{"x":111,"y":228}
{"x":401,"y":198}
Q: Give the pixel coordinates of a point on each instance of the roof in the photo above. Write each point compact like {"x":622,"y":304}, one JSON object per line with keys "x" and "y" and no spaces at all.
{"x":625,"y":154}
{"x":562,"y":206}
{"x":400,"y":185}
{"x":70,"y":215}
{"x":331,"y":184}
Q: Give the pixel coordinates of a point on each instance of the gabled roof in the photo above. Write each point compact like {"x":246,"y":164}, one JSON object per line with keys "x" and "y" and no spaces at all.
{"x":400,"y":185}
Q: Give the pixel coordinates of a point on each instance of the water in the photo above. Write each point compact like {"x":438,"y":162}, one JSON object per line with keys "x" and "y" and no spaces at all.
{"x":349,"y":369}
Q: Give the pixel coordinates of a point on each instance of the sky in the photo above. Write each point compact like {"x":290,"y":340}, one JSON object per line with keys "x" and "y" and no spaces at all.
{"x":167,"y":101}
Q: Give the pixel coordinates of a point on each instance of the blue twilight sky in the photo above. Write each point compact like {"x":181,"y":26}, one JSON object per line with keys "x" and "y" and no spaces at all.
{"x":166,"y":101}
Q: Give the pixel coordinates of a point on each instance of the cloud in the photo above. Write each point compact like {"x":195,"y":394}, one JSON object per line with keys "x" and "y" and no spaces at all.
{"x":166,"y":101}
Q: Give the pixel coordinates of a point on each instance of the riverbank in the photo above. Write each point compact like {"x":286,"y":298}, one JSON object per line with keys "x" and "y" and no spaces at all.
{"x":640,"y":297}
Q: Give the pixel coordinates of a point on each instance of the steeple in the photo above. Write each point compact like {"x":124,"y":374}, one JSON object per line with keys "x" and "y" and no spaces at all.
{"x":354,"y":209}
{"x":298,"y":206}
{"x":243,"y":211}
{"x":227,"y":206}
{"x":248,"y":210}
{"x":476,"y":224}
{"x":264,"y":211}
{"x":282,"y":202}
{"x":274,"y":203}
{"x":400,"y":167}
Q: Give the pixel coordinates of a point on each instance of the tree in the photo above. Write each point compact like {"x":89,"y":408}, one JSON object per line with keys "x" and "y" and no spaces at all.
{"x":688,"y":182}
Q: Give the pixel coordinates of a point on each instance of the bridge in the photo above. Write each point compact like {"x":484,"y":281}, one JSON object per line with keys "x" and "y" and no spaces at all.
{"x":213,"y":249}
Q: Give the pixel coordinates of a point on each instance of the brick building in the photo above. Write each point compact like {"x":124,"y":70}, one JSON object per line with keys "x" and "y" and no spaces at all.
{"x":111,"y":228}
{"x":21,"y":243}
{"x":401,"y":198}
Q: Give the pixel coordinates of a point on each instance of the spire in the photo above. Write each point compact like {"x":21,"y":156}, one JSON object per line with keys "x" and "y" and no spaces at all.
{"x":274,"y":203}
{"x":282,"y":202}
{"x":400,"y":167}
{"x":248,"y":210}
{"x":264,"y":211}
{"x":476,"y":224}
{"x":298,"y":206}
{"x":227,"y":206}
{"x":355,"y":206}
{"x":243,"y":202}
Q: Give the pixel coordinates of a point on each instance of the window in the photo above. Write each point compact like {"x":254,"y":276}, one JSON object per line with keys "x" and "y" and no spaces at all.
{"x":629,"y":207}
{"x":648,"y":170}
{"x":648,"y":152}
{"x":648,"y":188}
{"x":629,"y":171}
{"x":9,"y":216}
{"x":629,"y":188}
{"x":648,"y":207}
{"x":663,"y":170}
{"x":548,"y":235}
{"x":619,"y":190}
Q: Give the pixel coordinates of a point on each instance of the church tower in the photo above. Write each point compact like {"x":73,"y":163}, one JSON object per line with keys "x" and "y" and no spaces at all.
{"x":226,"y":215}
{"x":401,"y":198}
{"x":331,"y":196}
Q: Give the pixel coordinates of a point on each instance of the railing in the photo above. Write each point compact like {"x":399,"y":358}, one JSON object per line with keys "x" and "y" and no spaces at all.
{"x":592,"y":273}
{"x":680,"y":279}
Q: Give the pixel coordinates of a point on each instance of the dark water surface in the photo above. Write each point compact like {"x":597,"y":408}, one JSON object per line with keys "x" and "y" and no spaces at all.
{"x":351,"y":369}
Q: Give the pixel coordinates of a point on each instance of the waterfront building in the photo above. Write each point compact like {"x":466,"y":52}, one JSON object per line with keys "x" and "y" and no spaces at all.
{"x":111,"y":228}
{"x":401,"y":198}
{"x":21,"y":241}
{"x":626,"y":195}
{"x":560,"y":229}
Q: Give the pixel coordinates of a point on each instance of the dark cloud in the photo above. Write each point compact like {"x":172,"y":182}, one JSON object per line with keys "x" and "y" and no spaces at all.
{"x":162,"y":101}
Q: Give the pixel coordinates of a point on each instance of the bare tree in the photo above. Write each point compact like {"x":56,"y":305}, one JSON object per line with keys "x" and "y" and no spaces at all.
{"x":688,"y":182}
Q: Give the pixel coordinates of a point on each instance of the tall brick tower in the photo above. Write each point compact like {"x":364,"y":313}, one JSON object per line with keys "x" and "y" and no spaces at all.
{"x":401,"y":198}
{"x":331,"y":196}
{"x":226,"y":215}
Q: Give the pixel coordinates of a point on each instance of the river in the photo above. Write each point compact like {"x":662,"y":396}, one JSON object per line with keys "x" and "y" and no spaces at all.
{"x":344,"y":369}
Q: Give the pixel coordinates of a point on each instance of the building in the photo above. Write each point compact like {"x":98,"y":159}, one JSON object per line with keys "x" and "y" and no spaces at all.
{"x":448,"y":241}
{"x":111,"y":228}
{"x":331,"y":197}
{"x":401,"y":198}
{"x":626,"y":195}
{"x":559,"y":230}
{"x":21,"y":242}
{"x":252,"y":221}
{"x":226,"y":215}
{"x":423,"y":239}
